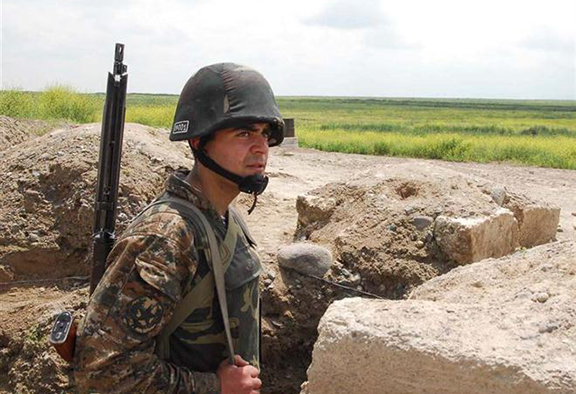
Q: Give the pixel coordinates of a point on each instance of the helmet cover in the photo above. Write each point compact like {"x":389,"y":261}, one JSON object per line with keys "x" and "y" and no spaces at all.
{"x":226,"y":95}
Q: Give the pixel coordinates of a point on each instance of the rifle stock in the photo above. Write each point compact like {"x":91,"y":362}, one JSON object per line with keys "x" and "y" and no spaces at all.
{"x":109,"y":166}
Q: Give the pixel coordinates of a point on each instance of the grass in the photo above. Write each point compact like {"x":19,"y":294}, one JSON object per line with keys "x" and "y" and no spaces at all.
{"x":539,"y":133}
{"x":57,"y":102}
{"x":555,"y":152}
{"x":160,"y":116}
{"x":532,"y":132}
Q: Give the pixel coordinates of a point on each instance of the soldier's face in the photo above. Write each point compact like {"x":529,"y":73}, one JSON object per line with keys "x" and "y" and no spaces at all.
{"x":241,"y":150}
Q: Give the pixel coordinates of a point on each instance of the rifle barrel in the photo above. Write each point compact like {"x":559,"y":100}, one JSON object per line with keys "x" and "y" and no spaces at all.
{"x":111,"y":137}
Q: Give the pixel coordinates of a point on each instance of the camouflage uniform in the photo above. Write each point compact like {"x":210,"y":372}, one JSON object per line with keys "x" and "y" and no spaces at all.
{"x":152,"y":266}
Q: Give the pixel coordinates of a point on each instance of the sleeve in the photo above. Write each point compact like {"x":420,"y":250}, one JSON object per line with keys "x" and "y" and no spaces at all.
{"x":129,"y":308}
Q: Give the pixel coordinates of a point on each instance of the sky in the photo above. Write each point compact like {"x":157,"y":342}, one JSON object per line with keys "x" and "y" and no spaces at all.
{"x":507,"y":49}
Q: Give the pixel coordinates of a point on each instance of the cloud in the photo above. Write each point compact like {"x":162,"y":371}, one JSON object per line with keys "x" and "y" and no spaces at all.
{"x":349,"y":14}
{"x":386,"y":37}
{"x":365,"y":17}
{"x":545,"y":39}
{"x":345,"y":47}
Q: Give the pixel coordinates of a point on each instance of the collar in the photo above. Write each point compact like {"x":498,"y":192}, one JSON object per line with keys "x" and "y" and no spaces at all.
{"x":176,"y":184}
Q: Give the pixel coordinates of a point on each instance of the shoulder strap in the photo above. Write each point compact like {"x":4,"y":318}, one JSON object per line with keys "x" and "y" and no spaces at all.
{"x":181,"y":312}
{"x":212,"y":255}
{"x":242,"y":225}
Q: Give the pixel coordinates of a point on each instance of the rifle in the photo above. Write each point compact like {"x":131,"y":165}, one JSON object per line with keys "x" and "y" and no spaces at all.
{"x":109,"y":166}
{"x":63,"y":334}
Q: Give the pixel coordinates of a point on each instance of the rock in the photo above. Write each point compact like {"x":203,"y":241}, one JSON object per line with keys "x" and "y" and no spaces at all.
{"x":537,"y":221}
{"x":313,"y":209}
{"x":305,"y":258}
{"x":387,"y":343}
{"x":456,"y":337}
{"x":355,"y":279}
{"x":541,"y":297}
{"x":6,"y":274}
{"x":498,"y":195}
{"x":466,"y":240}
{"x":392,"y":228}
{"x":421,"y":222}
{"x":536,"y":224}
{"x":547,"y":328}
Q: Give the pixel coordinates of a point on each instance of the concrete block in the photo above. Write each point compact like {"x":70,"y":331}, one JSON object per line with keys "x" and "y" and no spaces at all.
{"x":466,"y":240}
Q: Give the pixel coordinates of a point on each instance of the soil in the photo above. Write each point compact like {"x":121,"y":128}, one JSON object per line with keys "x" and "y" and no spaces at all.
{"x":14,"y":131}
{"x":46,"y":199}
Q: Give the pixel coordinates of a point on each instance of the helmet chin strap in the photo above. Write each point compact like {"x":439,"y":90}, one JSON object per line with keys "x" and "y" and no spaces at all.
{"x":251,"y":184}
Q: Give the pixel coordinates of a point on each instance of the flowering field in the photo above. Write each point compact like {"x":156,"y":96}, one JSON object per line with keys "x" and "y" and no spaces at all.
{"x":533,"y":132}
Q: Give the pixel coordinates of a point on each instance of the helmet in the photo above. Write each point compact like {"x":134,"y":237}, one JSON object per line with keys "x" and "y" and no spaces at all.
{"x":226,"y":95}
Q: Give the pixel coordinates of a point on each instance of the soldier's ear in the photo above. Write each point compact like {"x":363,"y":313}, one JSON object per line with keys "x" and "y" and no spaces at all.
{"x":194,"y":143}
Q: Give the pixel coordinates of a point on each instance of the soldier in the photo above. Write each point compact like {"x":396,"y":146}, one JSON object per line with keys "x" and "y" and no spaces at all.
{"x":155,"y":322}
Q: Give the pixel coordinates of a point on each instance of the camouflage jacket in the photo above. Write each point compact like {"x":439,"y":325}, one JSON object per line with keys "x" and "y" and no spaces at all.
{"x":150,"y":269}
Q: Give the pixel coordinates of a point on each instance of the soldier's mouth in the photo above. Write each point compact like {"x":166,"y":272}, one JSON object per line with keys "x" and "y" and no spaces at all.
{"x":258,"y":166}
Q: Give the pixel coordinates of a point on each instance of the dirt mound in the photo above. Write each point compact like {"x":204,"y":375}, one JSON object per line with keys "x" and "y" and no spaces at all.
{"x":47,"y":195}
{"x":381,"y":226}
{"x":28,"y":364}
{"x":15,"y":131}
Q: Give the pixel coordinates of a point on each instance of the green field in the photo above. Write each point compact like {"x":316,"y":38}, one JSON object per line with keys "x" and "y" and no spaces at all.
{"x":533,"y":132}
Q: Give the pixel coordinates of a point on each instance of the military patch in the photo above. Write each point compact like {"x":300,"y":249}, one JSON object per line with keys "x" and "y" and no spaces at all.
{"x":143,"y":315}
{"x":180,"y":127}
